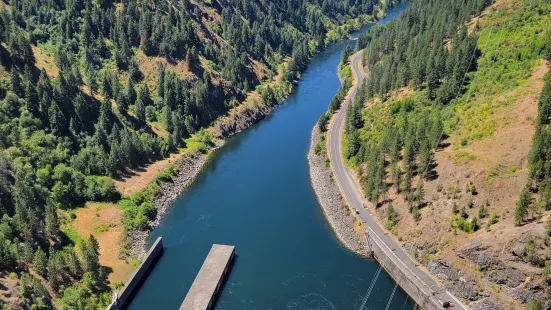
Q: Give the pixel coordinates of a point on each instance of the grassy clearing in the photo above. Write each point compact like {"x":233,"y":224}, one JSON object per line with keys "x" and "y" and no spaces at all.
{"x":103,"y":221}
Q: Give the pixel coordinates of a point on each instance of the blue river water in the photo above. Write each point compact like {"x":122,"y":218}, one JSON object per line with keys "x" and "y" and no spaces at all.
{"x":256,"y":194}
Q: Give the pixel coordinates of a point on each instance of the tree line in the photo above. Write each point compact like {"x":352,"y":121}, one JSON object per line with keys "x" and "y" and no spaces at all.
{"x":539,"y":158}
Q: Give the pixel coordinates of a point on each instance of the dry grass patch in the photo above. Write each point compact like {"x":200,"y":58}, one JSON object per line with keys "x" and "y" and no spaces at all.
{"x":104,"y":221}
{"x":139,"y":179}
{"x":149,"y":65}
{"x":45,"y":61}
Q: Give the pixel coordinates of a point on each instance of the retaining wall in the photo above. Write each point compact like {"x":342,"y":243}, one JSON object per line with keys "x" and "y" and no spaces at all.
{"x":422,"y":295}
{"x":123,"y":296}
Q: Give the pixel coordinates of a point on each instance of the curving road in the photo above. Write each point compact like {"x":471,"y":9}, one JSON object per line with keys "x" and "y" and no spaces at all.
{"x":355,"y":199}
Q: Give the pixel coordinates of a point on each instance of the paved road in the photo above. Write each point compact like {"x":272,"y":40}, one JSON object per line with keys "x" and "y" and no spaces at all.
{"x":354,"y":197}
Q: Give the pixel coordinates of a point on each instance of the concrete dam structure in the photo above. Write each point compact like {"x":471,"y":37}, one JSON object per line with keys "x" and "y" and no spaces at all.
{"x":202,"y":293}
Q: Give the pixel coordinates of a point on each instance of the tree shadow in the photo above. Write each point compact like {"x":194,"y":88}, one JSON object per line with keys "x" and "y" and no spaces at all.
{"x":432,"y":174}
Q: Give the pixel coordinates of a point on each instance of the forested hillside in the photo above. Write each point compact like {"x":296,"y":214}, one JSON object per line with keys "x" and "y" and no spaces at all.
{"x":89,"y":89}
{"x":439,"y":137}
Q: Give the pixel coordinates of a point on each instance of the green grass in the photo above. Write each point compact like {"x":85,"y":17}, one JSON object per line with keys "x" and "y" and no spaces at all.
{"x":463,"y":157}
{"x":73,"y":236}
{"x":102,"y":228}
{"x":510,"y":41}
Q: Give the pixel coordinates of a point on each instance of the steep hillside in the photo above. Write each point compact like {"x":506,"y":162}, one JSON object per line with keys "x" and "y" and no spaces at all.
{"x":92,"y":91}
{"x":440,"y":140}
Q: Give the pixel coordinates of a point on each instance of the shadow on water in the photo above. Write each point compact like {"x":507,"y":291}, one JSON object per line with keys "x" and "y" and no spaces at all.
{"x":255,"y":193}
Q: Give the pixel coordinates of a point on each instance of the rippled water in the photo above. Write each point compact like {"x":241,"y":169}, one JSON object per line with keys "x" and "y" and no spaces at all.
{"x":256,"y":194}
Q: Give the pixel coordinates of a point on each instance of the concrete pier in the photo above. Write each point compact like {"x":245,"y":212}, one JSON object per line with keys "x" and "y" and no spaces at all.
{"x":205,"y":287}
{"x":120,"y":300}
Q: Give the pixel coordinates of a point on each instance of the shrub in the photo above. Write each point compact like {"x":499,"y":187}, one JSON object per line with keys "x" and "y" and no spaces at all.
{"x":534,"y":304}
{"x":482,"y":212}
{"x":463,"y":224}
{"x":147,"y":209}
{"x":319,"y":148}
{"x":493,"y":219}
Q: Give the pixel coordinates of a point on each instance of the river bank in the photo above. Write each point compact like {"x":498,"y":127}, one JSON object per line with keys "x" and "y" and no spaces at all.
{"x":346,"y":226}
{"x":255,"y":193}
{"x":190,"y":167}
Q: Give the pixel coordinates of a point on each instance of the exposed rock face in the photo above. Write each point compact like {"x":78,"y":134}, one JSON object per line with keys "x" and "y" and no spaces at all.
{"x":485,"y":304}
{"x":455,"y":282}
{"x":517,"y":284}
{"x":331,"y":201}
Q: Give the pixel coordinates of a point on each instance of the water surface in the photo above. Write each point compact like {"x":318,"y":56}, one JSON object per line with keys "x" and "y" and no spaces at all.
{"x":256,"y":194}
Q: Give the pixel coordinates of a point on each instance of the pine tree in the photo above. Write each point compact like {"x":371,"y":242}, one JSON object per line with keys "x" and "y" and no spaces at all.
{"x":40,"y":262}
{"x":547,"y":49}
{"x":51,"y":221}
{"x":391,"y":214}
{"x":432,"y":79}
{"x":420,"y":192}
{"x":15,"y":82}
{"x":167,"y":113}
{"x":90,"y":257}
{"x":31,"y":99}
{"x":521,"y":209}
{"x":396,"y":173}
{"x":160,"y":80}
{"x":57,"y":119}
{"x":415,"y":213}
{"x":424,"y":158}
{"x":139,"y":108}
{"x":122,"y":103}
{"x":131,"y":92}
{"x":91,"y":79}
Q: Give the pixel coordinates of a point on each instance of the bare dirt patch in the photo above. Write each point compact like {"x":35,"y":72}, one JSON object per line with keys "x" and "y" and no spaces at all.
{"x":104,"y":222}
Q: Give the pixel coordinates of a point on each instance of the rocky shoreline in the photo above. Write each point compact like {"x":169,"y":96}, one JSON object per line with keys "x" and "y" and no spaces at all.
{"x":189,"y":169}
{"x":330,"y":199}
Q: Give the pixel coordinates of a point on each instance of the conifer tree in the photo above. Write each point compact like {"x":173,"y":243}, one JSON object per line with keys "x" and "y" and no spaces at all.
{"x":40,"y":262}
{"x":521,"y":209}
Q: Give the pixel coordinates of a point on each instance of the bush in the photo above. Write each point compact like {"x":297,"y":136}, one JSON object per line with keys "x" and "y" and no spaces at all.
{"x":534,"y":304}
{"x":147,"y":209}
{"x":319,"y":148}
{"x":463,"y":224}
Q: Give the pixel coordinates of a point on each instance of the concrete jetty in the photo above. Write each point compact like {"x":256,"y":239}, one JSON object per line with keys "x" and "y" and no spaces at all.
{"x":203,"y":291}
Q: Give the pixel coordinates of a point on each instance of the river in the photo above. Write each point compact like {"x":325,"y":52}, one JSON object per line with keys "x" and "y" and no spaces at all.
{"x":256,"y":194}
